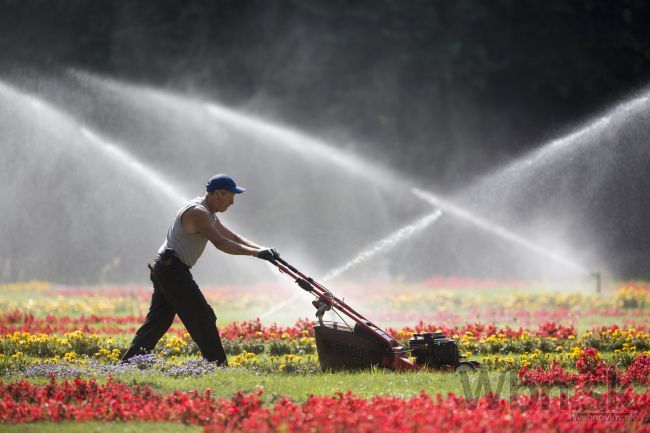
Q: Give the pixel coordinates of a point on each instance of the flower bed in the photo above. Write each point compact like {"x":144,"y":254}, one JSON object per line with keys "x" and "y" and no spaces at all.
{"x":592,"y":370}
{"x":251,"y":336}
{"x":93,"y":328}
{"x":112,"y":401}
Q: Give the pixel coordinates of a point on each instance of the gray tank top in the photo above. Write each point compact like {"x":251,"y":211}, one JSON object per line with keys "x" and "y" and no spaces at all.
{"x":188,"y":247}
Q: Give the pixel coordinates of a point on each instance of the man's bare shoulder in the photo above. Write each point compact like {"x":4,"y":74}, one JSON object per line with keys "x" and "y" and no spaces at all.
{"x":197,"y":212}
{"x":194,"y":218}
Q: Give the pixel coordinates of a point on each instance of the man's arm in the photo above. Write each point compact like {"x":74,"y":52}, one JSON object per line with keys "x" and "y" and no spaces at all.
{"x":197,"y":220}
{"x":228,"y":234}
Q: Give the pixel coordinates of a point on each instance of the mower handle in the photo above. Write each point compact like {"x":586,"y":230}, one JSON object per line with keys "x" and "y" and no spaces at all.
{"x":306,"y":283}
{"x":325,"y":300}
{"x":326,"y":297}
{"x":287,"y":264}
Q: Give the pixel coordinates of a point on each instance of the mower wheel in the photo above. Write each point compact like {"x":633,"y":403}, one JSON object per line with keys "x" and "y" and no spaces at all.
{"x":464,"y":366}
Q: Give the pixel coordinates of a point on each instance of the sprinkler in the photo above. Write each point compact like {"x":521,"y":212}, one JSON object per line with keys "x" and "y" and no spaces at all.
{"x":597,"y":275}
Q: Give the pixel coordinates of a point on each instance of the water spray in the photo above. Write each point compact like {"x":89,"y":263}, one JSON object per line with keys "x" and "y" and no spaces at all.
{"x":552,"y":150}
{"x":385,"y":244}
{"x":495,"y":229}
{"x":300,"y":142}
{"x":381,"y":246}
{"x":201,"y":112}
{"x":114,"y":151}
{"x":108,"y":147}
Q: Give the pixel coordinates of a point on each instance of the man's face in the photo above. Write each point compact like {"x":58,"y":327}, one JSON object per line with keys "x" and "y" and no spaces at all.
{"x":223,"y":199}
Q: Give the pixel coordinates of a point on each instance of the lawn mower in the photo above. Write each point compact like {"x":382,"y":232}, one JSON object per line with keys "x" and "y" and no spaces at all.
{"x":360,"y":344}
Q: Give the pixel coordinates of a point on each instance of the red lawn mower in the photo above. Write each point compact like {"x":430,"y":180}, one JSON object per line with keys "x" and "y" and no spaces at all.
{"x":361,"y":345}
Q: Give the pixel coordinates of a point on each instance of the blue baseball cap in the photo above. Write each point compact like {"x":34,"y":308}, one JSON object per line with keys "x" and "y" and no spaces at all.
{"x":223,"y":181}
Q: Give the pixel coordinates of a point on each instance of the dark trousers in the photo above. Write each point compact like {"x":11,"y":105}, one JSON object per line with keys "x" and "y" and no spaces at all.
{"x":175,"y":292}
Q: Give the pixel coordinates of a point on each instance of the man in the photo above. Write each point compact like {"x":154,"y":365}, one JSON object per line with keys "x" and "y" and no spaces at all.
{"x":174,"y":289}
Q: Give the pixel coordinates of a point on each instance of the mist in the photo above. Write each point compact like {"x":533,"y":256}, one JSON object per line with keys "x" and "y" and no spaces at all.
{"x":331,"y":120}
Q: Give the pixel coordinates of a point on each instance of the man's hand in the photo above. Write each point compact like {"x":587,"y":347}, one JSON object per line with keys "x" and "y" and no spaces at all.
{"x":268,"y":254}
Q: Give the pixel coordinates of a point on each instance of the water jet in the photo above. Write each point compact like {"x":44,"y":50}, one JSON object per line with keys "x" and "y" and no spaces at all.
{"x":496,"y":230}
{"x":381,"y":246}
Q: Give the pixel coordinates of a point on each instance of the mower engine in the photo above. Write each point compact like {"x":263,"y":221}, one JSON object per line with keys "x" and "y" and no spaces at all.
{"x":435,"y":350}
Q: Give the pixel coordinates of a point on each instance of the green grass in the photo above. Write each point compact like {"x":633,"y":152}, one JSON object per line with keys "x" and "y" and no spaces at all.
{"x":587,"y":323}
{"x":299,"y":387}
{"x":366,"y":384}
{"x":98,"y":427}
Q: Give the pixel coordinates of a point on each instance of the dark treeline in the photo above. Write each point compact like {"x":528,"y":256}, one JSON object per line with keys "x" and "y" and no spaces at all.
{"x":442,"y":89}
